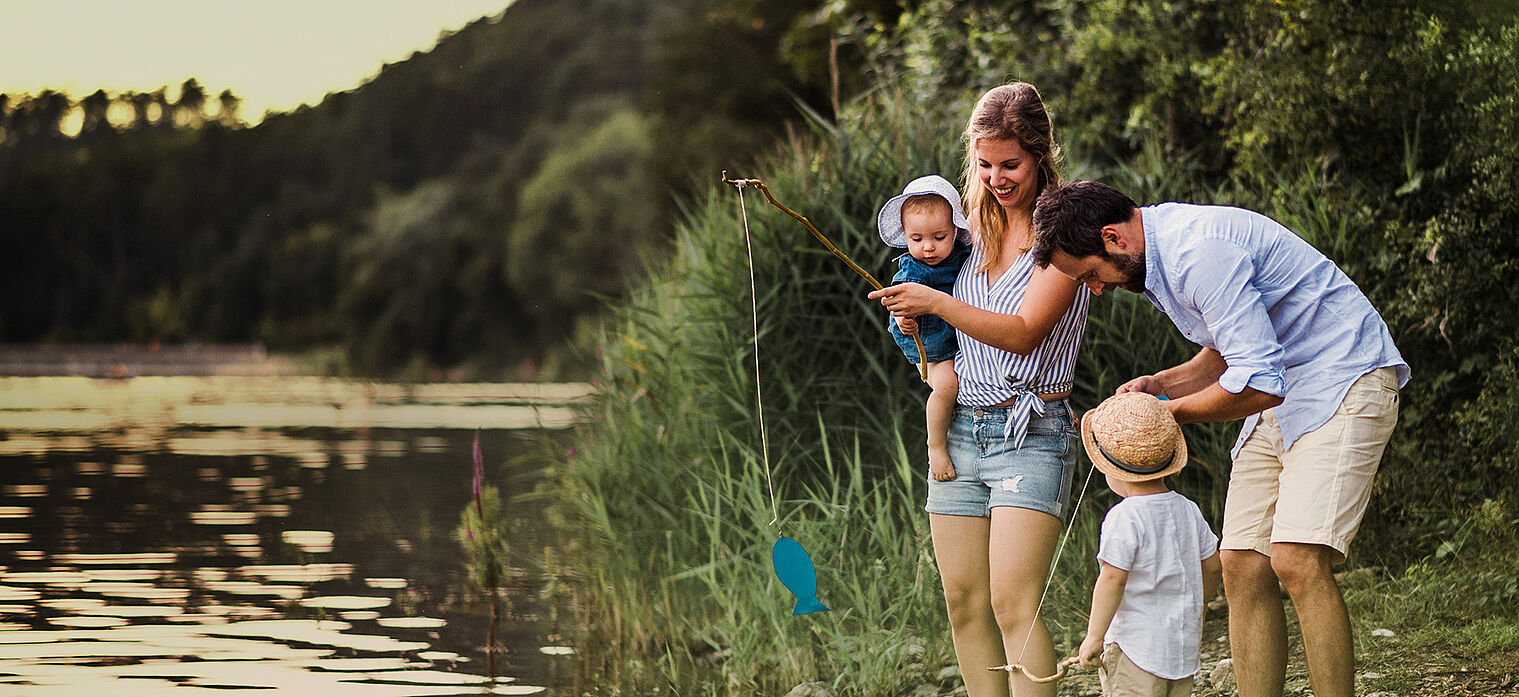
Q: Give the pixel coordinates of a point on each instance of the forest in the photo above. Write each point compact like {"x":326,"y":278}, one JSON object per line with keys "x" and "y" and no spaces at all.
{"x":539,"y":198}
{"x":471,"y":209}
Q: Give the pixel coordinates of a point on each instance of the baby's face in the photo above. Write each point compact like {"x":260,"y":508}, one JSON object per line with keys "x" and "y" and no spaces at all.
{"x":930,"y":234}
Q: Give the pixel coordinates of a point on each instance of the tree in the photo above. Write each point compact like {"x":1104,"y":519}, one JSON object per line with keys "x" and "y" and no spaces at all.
{"x":190,"y":108}
{"x":584,"y":217}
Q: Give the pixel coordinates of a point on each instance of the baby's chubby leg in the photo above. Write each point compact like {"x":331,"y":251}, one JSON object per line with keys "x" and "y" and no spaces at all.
{"x":941,"y":409}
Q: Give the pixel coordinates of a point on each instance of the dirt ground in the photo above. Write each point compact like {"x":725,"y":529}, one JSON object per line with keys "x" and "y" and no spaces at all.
{"x":1385,"y":667}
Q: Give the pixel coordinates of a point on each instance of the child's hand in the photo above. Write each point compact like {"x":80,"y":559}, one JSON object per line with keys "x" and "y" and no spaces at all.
{"x":1091,"y":649}
{"x":908,"y":325}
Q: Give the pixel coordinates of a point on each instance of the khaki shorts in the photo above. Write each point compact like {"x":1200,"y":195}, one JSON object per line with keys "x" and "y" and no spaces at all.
{"x":1121,"y":678}
{"x":1316,"y":491}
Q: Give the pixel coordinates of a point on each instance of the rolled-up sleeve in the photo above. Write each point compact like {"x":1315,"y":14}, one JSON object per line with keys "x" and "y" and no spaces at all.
{"x":1218,"y":283}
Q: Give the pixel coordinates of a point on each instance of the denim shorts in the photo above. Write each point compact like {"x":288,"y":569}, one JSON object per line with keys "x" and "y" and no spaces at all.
{"x":939,"y":340}
{"x":989,"y":472}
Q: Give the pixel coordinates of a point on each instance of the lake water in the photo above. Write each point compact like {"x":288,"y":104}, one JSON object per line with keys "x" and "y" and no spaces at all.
{"x":227,"y":536}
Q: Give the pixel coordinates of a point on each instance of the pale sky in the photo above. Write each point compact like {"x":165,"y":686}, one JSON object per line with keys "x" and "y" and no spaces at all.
{"x":273,"y":54}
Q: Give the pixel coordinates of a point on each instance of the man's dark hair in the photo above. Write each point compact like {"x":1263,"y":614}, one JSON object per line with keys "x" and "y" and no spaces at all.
{"x":1069,"y":218}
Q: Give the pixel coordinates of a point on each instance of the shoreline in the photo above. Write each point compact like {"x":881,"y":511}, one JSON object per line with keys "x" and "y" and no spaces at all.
{"x":123,"y":361}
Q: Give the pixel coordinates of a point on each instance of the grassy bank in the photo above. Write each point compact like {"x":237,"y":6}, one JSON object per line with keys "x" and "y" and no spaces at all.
{"x":671,"y":485}
{"x":674,"y":486}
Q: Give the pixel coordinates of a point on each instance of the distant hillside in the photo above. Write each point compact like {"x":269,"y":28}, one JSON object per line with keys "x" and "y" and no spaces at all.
{"x":471,"y":205}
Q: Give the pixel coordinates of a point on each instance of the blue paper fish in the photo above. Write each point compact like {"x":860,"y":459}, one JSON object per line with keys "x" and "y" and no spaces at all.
{"x":794,"y":568}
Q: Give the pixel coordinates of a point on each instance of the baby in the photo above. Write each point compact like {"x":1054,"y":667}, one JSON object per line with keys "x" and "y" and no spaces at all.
{"x":926,"y":219}
{"x":1158,"y":556}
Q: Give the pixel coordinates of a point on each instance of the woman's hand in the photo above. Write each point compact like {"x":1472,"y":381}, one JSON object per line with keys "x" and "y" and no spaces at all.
{"x":908,"y":299}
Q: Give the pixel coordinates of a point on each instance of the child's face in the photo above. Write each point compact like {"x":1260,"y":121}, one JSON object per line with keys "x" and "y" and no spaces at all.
{"x":930,"y":234}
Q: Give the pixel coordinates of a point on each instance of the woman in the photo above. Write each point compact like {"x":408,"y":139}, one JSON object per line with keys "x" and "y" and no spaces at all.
{"x":996,"y":524}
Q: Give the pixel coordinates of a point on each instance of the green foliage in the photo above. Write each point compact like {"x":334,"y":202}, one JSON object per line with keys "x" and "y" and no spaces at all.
{"x":470,"y":201}
{"x":399,"y":272}
{"x":1464,"y":597}
{"x":726,"y":76}
{"x":300,"y":232}
{"x":486,"y":538}
{"x":585,"y":216}
{"x":1379,"y":133}
{"x":677,"y":495}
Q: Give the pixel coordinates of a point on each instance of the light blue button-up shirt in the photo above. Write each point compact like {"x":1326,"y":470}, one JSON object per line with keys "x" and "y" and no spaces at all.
{"x":1286,"y":320}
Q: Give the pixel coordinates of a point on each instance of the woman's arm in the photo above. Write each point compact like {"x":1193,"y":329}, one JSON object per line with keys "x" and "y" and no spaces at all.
{"x":1045,"y":301}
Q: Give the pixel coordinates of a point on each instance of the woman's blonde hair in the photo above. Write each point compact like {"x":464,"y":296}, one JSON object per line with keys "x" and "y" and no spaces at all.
{"x":1009,"y":112}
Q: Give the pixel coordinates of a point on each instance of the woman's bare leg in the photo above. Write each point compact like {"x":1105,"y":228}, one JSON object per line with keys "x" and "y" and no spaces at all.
{"x":1021,"y":547}
{"x":960,"y":550}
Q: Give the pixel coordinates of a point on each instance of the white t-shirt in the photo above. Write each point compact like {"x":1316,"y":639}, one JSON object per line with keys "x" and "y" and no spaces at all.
{"x":1161,"y":540}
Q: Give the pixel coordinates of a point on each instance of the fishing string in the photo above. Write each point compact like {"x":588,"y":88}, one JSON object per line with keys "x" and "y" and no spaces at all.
{"x":759,"y":398}
{"x":1056,"y":562}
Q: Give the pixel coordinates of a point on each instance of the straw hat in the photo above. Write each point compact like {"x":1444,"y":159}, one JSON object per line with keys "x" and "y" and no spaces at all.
{"x":889,"y":220}
{"x":1134,"y":438}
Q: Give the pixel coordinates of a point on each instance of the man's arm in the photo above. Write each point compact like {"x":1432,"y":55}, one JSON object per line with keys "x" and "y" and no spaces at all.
{"x":1214,"y":403}
{"x":1194,"y":392}
{"x":1198,"y":372}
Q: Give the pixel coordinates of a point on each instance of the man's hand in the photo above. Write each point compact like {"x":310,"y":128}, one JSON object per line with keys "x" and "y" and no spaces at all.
{"x":1147,"y":384}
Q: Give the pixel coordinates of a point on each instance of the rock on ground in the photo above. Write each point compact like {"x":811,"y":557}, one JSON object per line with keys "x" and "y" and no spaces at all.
{"x":811,"y":689}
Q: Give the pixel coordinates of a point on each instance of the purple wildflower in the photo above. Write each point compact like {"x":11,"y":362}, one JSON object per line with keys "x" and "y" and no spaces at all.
{"x":479,"y":472}
{"x":477,"y":483}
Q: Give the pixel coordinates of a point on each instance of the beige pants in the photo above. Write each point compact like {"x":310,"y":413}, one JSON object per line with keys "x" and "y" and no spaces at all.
{"x":1121,"y":678}
{"x":1316,"y":491}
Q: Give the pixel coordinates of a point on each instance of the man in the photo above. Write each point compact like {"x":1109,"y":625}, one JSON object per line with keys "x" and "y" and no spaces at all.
{"x":1291,"y":345}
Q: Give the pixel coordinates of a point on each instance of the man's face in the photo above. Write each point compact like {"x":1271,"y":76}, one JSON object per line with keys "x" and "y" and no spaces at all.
{"x":1103,"y":272}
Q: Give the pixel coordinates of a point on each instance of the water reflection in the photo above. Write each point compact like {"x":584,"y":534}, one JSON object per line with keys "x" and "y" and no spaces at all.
{"x":159,"y":535}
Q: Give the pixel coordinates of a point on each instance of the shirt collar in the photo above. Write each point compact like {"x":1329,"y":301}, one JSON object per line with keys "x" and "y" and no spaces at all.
{"x":1153,"y":281}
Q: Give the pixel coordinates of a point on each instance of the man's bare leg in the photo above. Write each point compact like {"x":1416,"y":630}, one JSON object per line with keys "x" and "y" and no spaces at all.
{"x":1321,"y":615}
{"x":1257,"y":623}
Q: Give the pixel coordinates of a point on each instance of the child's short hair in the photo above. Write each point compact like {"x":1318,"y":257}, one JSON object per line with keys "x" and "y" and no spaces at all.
{"x":926,"y":203}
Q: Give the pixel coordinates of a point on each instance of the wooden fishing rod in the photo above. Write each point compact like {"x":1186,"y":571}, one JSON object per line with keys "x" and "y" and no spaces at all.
{"x":765,"y":190}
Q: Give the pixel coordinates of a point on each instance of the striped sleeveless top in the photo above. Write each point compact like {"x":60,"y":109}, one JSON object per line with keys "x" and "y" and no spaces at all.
{"x":990,"y":375}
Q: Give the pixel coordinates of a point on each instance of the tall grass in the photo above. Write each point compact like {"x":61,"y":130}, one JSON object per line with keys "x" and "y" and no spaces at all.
{"x":670,"y":482}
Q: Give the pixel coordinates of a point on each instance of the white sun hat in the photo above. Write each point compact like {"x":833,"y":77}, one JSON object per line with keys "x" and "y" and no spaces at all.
{"x":1134,"y":438}
{"x":889,"y":220}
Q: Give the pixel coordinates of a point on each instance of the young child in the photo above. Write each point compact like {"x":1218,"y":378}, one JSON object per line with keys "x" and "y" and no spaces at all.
{"x":1159,"y":559}
{"x":926,"y":219}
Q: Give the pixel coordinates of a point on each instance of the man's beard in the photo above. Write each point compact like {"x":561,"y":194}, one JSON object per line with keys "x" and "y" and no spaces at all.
{"x":1132,"y":266}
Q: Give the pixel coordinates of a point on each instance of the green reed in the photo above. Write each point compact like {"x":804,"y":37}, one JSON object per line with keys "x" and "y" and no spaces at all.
{"x":669,"y":485}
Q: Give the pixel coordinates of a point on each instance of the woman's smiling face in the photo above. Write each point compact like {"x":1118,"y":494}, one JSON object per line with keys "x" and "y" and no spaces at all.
{"x":1009,"y":172}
